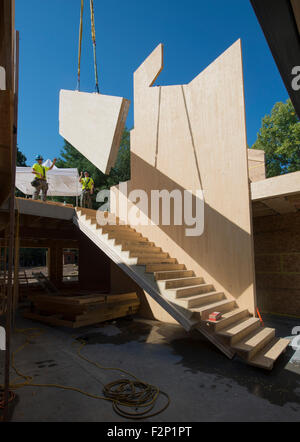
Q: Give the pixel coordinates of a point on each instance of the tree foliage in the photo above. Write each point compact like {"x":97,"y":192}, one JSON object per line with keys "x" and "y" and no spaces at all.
{"x":279,"y":137}
{"x":21,"y":159}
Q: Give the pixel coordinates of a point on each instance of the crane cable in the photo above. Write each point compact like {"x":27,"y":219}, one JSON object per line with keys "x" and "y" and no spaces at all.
{"x":80,"y":44}
{"x":93,"y":30}
{"x":94,"y":44}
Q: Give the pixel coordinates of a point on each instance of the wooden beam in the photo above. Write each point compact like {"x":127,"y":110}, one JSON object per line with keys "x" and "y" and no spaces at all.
{"x":279,"y":26}
{"x":7,"y":30}
{"x":278,"y":186}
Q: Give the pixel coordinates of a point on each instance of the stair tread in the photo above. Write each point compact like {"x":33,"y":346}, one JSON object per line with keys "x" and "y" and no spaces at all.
{"x":213,"y":305}
{"x":199,"y":296}
{"x":238,"y":327}
{"x":178,"y":289}
{"x":228,"y":315}
{"x":163,"y":267}
{"x":172,"y":273}
{"x":268,"y":355}
{"x":180,"y":279}
{"x":254,"y":339}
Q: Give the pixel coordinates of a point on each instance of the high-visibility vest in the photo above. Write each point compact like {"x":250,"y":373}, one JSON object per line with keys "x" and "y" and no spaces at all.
{"x":40,"y":169}
{"x":87,"y":183}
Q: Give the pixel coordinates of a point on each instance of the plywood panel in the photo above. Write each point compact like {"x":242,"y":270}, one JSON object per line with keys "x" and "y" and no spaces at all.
{"x":201,"y":144}
{"x":93,"y":124}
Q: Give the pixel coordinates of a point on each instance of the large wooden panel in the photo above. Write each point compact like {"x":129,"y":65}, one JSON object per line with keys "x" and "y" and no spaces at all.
{"x":93,"y":124}
{"x":278,"y":23}
{"x":200,"y":135}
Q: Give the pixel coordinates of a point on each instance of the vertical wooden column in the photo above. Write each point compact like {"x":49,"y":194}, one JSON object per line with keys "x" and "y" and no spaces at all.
{"x":55,"y":264}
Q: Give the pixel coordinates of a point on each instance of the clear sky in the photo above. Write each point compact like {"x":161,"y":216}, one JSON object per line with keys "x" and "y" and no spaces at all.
{"x":194,"y":33}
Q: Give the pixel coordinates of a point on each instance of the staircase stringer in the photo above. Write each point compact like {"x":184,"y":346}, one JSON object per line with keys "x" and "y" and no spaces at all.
{"x":187,"y":324}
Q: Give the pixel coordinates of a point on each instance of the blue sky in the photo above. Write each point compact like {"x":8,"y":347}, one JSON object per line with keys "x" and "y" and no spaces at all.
{"x":194,"y":33}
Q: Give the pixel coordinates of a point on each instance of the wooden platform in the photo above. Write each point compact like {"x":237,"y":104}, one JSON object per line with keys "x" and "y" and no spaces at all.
{"x":80,"y":311}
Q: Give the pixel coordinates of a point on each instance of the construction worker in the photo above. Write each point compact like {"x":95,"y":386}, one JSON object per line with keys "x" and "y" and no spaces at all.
{"x":88,"y":186}
{"x":40,"y":181}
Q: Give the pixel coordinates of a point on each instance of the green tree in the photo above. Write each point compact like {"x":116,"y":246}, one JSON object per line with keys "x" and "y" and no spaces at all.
{"x":279,"y":137}
{"x":21,"y":159}
{"x":21,"y":162}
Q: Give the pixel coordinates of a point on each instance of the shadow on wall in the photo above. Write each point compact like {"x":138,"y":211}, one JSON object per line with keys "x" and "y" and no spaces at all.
{"x":221,"y":236}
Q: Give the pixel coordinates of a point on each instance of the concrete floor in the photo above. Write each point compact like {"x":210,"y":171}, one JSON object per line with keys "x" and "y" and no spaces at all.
{"x":202,"y":383}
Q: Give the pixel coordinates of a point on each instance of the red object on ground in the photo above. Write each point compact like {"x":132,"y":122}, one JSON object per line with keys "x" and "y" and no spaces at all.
{"x":215,"y":316}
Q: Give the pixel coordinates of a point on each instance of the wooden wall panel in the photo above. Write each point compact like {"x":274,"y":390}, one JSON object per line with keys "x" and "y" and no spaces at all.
{"x":94,"y":125}
{"x":201,"y":144}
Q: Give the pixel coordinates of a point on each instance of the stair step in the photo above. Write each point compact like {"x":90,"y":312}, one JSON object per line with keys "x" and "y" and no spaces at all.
{"x":199,"y":300}
{"x":151,"y":268}
{"x":127,"y":236}
{"x":148,"y":254}
{"x":228,"y":318}
{"x":146,"y":261}
{"x":171,"y":274}
{"x":220,"y":306}
{"x":180,"y":282}
{"x":122,"y":228}
{"x":253,"y":343}
{"x":142,"y":249}
{"x":124,"y":234}
{"x":237,"y":331}
{"x":190,"y":290}
{"x":93,"y":221}
{"x":126,"y":244}
{"x":269,"y":354}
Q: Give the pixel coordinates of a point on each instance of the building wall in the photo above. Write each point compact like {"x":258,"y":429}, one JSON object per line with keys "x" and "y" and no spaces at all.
{"x":277,"y":260}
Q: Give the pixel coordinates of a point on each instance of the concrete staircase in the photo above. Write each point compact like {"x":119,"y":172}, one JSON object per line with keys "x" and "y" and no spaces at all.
{"x":185,"y":296}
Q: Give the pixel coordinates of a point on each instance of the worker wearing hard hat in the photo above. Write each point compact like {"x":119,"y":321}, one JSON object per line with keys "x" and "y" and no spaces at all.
{"x":87,"y":191}
{"x":40,"y":181}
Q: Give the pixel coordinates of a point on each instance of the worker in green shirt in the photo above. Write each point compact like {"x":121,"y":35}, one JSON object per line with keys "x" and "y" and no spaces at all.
{"x":40,"y":181}
{"x":87,"y":191}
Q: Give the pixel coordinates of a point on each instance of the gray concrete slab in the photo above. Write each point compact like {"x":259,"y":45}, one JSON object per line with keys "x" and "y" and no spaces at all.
{"x":202,"y":383}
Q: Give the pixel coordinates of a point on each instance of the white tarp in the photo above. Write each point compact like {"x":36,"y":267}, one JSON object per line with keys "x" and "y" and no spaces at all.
{"x":62,"y":182}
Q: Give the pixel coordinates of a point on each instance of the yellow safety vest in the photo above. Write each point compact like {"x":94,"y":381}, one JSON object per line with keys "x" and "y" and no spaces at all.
{"x":87,"y":183}
{"x":42,"y":170}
